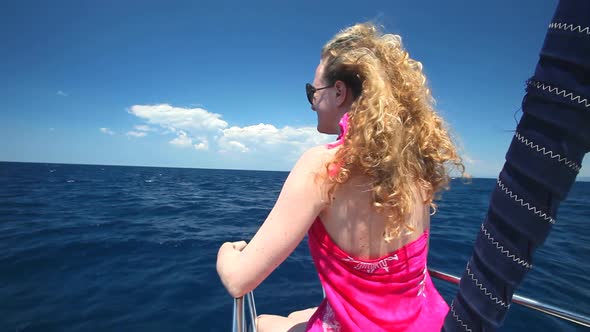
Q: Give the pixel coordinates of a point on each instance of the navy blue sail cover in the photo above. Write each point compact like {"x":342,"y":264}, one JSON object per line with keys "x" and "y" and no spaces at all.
{"x":542,"y":163}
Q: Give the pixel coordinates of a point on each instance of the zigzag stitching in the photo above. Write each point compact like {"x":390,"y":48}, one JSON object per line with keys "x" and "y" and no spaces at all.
{"x":504,"y":251}
{"x":459,"y":319}
{"x":485,"y":290}
{"x":527,"y":205}
{"x":555,"y":90}
{"x":545,"y":152}
{"x":570,"y":27}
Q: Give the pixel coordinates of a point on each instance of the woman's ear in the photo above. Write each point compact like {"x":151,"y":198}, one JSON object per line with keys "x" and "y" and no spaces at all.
{"x":341,"y":92}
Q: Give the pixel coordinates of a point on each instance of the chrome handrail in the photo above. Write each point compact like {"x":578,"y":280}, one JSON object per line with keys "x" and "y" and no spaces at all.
{"x":239,"y":323}
{"x":526,"y":302}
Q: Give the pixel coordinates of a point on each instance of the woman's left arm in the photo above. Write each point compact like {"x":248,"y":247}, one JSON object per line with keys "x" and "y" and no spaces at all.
{"x":243,"y":267}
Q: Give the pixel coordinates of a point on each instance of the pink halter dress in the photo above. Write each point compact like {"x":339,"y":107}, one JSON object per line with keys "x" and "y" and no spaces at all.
{"x":390,"y":293}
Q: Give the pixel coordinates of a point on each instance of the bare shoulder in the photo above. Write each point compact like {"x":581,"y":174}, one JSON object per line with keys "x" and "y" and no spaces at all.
{"x":316,"y":157}
{"x":311,"y":171}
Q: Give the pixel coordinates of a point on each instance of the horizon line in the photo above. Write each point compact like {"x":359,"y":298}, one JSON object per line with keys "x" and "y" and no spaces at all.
{"x":579,"y":179}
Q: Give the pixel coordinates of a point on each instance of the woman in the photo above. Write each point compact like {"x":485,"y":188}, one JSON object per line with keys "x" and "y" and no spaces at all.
{"x":364,"y":200}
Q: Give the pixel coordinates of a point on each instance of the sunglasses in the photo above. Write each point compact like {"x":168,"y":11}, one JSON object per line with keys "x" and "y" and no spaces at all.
{"x":310,"y":91}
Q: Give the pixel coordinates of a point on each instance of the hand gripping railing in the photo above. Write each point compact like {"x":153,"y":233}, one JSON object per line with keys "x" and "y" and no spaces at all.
{"x":240,"y":323}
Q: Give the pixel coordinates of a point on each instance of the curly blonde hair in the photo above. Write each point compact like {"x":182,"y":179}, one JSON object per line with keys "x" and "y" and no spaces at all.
{"x":395,"y":136}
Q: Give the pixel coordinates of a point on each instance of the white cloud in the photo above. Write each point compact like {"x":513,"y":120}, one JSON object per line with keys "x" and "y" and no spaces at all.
{"x":468,"y":160}
{"x":234,"y":146}
{"x":144,"y":128}
{"x":107,"y":131}
{"x":191,"y":120}
{"x":182,"y":140}
{"x":61,"y":93}
{"x":203,"y":146}
{"x":261,"y":145}
{"x":136,"y":133}
{"x":268,"y":138}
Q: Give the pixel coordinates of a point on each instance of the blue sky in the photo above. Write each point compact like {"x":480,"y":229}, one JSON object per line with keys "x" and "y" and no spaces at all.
{"x":221,"y":84}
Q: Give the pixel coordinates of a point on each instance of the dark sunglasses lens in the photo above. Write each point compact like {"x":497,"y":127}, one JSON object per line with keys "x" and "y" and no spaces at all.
{"x":309,"y":90}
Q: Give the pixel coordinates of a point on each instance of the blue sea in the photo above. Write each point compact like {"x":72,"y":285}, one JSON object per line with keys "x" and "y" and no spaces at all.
{"x":112,"y":248}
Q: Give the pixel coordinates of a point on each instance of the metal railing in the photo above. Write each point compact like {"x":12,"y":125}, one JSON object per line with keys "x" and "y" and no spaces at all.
{"x":241,"y":324}
{"x":526,"y":302}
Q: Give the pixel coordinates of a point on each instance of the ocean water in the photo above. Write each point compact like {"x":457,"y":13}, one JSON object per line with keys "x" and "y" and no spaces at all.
{"x":108,"y":248}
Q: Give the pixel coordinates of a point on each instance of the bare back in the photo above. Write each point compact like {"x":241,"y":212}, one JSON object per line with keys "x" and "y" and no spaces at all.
{"x":356,"y":226}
